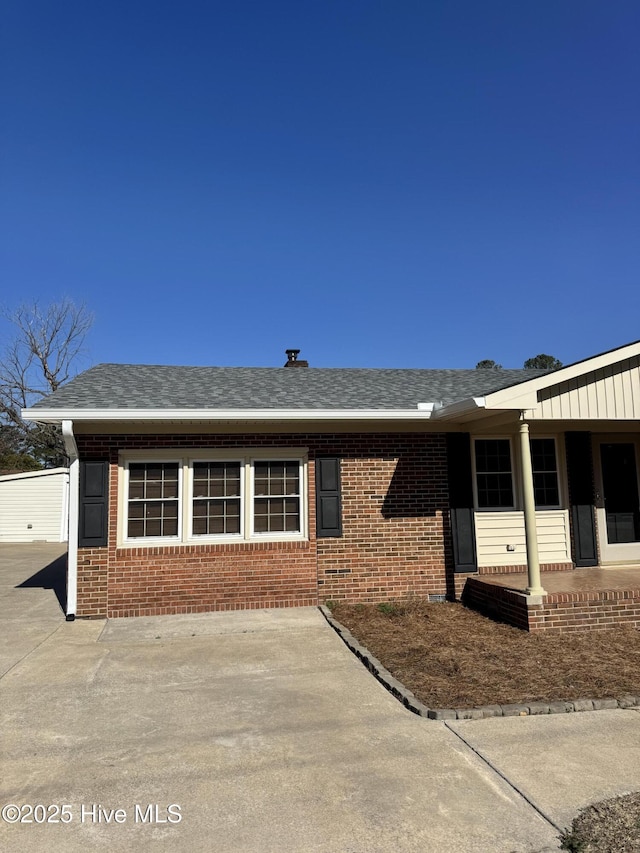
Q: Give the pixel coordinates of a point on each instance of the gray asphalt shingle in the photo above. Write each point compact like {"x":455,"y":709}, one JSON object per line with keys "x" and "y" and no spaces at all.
{"x":137,"y":386}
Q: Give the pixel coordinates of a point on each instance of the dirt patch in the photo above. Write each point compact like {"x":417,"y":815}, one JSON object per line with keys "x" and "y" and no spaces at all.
{"x":612,"y":826}
{"x":452,"y":657}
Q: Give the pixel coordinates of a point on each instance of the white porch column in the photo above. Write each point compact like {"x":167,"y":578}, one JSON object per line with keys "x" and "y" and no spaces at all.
{"x":530,"y":532}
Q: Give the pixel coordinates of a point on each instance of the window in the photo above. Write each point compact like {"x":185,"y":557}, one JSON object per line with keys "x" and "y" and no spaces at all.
{"x":276,"y":502}
{"x":153,"y":500}
{"x":217,"y":498}
{"x":494,"y":480}
{"x":545,"y":472}
{"x":494,"y":473}
{"x":213,"y":497}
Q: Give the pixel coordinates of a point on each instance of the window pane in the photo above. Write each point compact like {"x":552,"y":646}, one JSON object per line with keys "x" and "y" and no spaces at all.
{"x":276,"y":523}
{"x":493,"y":455}
{"x":545,"y":486}
{"x":261,"y":519}
{"x":136,"y":509}
{"x":233,"y":524}
{"x":261,"y":486}
{"x":215,"y":517}
{"x":153,"y":527}
{"x":170,"y":527}
{"x":136,"y":490}
{"x":495,"y":490}
{"x":200,"y":526}
{"x":135,"y":529}
{"x":543,"y":454}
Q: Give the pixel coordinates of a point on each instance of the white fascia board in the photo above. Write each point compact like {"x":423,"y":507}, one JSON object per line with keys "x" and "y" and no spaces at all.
{"x":462,"y":407}
{"x":77,"y":415}
{"x":524,"y":395}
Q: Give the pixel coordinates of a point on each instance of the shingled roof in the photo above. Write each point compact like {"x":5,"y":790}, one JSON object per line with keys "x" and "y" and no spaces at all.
{"x":139,"y":387}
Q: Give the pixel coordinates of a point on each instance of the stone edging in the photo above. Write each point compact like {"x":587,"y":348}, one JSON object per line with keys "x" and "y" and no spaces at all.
{"x":414,"y":704}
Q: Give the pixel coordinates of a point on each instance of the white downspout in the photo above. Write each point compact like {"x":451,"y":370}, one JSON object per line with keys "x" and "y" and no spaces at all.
{"x":74,"y":509}
{"x":64,"y":515}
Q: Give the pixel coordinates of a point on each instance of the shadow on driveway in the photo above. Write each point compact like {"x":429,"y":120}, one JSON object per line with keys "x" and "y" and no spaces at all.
{"x":53,"y":576}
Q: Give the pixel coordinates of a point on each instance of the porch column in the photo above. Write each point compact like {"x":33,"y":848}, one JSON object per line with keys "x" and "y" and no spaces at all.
{"x":530,"y":533}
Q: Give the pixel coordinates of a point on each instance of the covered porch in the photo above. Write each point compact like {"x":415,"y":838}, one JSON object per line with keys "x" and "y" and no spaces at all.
{"x":595,"y":598}
{"x":545,"y":497}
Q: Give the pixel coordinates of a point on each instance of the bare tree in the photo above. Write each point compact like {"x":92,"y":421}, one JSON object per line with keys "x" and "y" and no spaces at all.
{"x":42,"y":356}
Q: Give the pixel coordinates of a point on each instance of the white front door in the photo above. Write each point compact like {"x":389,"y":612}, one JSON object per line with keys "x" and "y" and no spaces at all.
{"x":617,"y":467}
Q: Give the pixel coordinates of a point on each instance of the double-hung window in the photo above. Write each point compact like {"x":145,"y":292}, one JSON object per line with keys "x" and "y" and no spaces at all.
{"x":213,"y":497}
{"x":545,"y":472}
{"x":217,"y":498}
{"x":153,"y":501}
{"x":494,"y":473}
{"x":494,"y":477}
{"x":276,"y":497}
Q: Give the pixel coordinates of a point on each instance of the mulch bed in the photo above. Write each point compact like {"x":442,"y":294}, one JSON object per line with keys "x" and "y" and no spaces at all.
{"x":452,"y":657}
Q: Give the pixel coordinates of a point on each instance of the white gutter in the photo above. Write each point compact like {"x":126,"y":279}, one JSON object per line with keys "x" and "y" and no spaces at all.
{"x":421,"y":412}
{"x":462,"y":407}
{"x":74,"y":509}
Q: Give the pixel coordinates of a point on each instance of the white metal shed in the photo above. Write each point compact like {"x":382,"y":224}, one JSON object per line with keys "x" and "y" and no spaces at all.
{"x":34,"y":506}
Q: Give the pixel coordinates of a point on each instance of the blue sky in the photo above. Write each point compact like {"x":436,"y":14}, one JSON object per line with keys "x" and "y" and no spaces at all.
{"x":381,"y":184}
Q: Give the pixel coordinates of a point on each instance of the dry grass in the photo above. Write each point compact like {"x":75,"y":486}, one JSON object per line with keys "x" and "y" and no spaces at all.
{"x":612,"y":826}
{"x":452,"y":657}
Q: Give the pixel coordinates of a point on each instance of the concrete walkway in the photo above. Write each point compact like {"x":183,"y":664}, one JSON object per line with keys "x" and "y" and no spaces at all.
{"x":269,"y":736}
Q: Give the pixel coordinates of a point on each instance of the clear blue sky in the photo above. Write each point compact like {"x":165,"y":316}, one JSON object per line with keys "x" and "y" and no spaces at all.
{"x":408,"y":183}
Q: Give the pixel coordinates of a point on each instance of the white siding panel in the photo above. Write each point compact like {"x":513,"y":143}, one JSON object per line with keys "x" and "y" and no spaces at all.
{"x":32,"y":508}
{"x":496,"y":530}
{"x":611,"y":393}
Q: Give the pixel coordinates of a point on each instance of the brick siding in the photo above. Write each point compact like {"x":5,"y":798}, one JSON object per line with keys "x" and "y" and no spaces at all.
{"x":395,"y":538}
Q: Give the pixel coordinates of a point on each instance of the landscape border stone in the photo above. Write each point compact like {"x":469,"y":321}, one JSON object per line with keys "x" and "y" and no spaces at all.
{"x":509,"y":710}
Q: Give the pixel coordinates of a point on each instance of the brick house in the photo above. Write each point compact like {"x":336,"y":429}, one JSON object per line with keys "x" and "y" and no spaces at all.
{"x":197,"y":488}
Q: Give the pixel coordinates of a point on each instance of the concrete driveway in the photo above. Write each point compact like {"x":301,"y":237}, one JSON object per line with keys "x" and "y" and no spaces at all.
{"x":259,"y":731}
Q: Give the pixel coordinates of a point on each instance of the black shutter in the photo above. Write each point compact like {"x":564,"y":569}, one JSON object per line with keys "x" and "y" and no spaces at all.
{"x":328,"y":503}
{"x":94,"y":504}
{"x":580,"y":473}
{"x":463,"y":529}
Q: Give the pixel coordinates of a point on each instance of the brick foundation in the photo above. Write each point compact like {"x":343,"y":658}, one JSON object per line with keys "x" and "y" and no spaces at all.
{"x":561,"y":611}
{"x":508,"y":570}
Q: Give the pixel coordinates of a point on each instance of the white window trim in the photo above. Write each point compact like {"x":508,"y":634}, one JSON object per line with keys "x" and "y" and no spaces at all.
{"x":269,"y":536}
{"x":124,"y":502}
{"x":188,"y":504}
{"x":185,"y":460}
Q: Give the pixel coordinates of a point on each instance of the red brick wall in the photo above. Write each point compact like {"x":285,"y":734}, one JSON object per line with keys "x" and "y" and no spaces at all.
{"x":579,"y":611}
{"x":394,"y":504}
{"x":395,"y":542}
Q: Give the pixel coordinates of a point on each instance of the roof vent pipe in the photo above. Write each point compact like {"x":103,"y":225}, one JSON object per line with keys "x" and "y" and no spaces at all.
{"x":292,"y":359}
